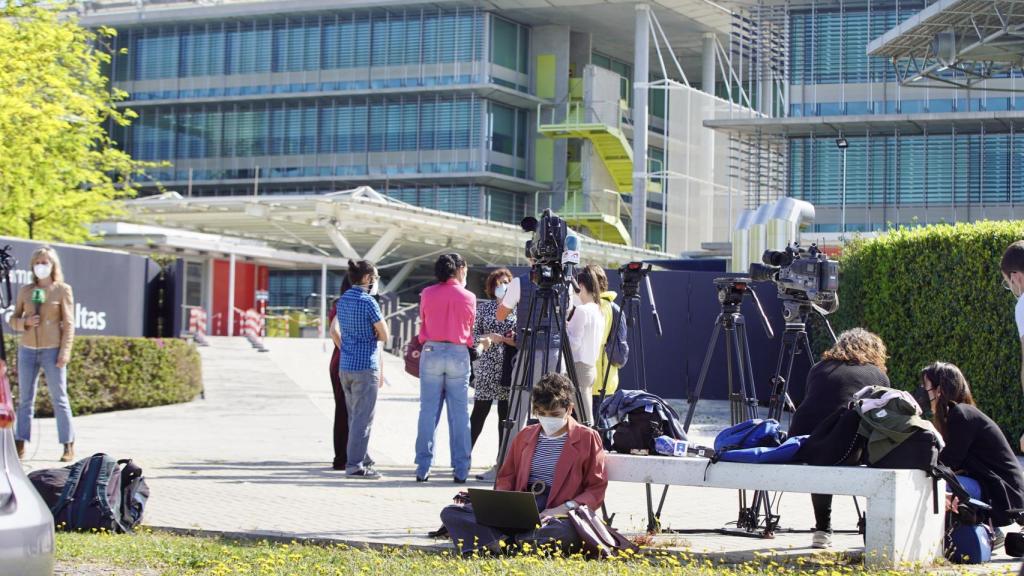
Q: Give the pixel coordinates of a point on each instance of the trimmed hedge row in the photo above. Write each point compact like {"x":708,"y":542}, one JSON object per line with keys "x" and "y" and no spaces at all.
{"x":112,"y":373}
{"x":933,"y":293}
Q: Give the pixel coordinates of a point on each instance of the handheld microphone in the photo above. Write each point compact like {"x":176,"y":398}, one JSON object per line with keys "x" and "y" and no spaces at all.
{"x":38,"y":298}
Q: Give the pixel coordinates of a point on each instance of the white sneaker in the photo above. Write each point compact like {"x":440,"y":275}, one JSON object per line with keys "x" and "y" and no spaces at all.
{"x":821,"y":540}
{"x":490,"y":475}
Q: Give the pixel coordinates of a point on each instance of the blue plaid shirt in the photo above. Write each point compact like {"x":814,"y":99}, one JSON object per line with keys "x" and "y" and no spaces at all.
{"x":357,"y":312}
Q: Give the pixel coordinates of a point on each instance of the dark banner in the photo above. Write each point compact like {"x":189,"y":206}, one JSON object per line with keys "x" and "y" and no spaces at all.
{"x":109,"y":286}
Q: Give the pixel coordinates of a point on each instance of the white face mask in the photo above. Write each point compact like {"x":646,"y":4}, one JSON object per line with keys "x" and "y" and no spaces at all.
{"x":374,"y":288}
{"x":42,"y":270}
{"x":551,"y":424}
{"x":575,"y":298}
{"x":499,"y":291}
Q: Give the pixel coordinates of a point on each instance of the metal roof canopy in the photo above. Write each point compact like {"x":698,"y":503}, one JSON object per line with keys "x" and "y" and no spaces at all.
{"x":880,"y":124}
{"x":308,"y":231}
{"x":956,"y":43}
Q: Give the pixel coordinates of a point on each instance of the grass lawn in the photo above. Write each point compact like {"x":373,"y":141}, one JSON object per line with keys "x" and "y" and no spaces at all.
{"x":150,"y":553}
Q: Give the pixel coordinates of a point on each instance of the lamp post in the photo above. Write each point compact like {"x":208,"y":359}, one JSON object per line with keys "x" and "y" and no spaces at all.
{"x":842,"y":143}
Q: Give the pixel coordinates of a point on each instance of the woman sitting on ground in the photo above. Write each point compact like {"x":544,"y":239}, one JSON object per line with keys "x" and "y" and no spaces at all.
{"x":559,"y":460}
{"x":856,"y":360}
{"x":975,"y":446}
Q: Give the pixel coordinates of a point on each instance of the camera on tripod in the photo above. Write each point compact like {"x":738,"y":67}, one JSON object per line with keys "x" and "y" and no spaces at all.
{"x":806,"y":275}
{"x":553,"y":248}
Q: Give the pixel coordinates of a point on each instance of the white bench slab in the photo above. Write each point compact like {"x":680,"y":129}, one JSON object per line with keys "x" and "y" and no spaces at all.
{"x":902,"y":525}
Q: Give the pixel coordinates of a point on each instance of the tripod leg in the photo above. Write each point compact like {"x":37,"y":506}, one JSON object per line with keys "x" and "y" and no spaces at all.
{"x":746,"y":369}
{"x":703,"y":375}
{"x":522,"y":380}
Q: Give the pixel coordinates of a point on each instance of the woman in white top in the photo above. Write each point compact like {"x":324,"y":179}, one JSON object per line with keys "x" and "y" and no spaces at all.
{"x":586,"y":329}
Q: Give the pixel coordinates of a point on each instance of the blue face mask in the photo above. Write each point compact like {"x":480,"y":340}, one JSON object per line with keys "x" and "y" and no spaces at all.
{"x":499,"y":291}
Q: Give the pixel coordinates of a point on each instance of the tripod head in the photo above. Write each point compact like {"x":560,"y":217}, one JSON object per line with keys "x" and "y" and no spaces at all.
{"x":730,"y":294}
{"x":796,"y":311}
{"x":632,"y":274}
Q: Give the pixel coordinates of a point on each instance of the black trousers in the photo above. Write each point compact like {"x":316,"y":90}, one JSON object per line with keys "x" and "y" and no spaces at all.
{"x":468,"y":536}
{"x":340,"y":433}
{"x":481,"y":408}
{"x":822,"y":512}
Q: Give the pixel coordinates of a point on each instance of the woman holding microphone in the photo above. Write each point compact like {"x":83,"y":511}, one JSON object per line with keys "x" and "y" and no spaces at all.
{"x":45,"y":313}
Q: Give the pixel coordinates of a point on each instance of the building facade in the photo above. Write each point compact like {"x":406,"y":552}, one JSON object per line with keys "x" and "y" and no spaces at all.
{"x":871,"y":150}
{"x":489,"y":113}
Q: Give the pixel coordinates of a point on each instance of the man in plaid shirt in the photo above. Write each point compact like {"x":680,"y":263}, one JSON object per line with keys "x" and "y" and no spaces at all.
{"x":362,"y":329}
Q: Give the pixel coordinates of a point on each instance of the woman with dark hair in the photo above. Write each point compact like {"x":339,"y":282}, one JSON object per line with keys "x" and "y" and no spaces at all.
{"x":855,"y":361}
{"x":975,"y":446}
{"x":340,"y":432}
{"x":362,"y":330}
{"x":494,"y":335}
{"x":560,"y":461}
{"x":447,"y":315}
{"x":585,"y":328}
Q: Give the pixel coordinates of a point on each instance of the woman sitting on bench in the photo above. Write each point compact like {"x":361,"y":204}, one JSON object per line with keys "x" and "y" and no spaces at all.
{"x":559,"y":460}
{"x":975,"y":446}
{"x":856,"y":360}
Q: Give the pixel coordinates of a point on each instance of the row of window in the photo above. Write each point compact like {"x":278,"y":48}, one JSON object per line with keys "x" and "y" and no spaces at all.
{"x":309,"y":87}
{"x":919,"y":170}
{"x":475,"y":201}
{"x":938,"y":105}
{"x":355,"y":39}
{"x":829,"y":46}
{"x":334,"y":126}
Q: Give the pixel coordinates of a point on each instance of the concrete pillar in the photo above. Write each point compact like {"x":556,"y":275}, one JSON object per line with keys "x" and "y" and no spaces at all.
{"x":323,"y":300}
{"x":641,"y":71}
{"x":209,"y":295}
{"x":708,"y":60}
{"x":231,"y":295}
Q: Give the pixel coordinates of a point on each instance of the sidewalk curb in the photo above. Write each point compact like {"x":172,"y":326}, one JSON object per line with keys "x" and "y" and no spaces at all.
{"x":724,"y":558}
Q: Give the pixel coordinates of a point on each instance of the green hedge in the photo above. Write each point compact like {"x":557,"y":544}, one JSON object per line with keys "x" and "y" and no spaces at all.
{"x":933,"y":293}
{"x":111,"y":373}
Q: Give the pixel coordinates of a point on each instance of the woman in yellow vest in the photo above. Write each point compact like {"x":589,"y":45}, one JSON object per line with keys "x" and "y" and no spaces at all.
{"x":610,"y":384}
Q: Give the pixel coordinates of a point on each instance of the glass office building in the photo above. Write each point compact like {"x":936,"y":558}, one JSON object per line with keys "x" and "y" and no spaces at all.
{"x":431,"y":105}
{"x":915,"y":155}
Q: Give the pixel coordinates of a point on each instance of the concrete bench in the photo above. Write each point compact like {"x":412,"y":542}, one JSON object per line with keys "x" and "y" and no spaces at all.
{"x":902,"y":525}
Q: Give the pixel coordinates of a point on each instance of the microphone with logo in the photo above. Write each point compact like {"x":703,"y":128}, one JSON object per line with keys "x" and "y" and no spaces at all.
{"x":38,"y":298}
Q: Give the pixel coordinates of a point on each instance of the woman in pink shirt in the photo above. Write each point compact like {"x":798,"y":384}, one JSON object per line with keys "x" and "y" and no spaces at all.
{"x":447,"y":314}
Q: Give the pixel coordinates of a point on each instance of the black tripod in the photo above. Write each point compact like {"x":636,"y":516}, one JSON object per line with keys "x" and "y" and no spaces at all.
{"x":7,"y":263}
{"x":629,"y":312}
{"x":547,"y":314}
{"x":742,"y":394}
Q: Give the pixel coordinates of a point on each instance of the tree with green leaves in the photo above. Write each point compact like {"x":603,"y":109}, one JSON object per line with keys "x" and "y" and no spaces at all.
{"x":59,"y":169}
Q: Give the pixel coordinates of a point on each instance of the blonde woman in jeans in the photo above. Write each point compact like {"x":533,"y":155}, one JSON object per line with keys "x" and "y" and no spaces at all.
{"x":586,"y":334}
{"x":48,"y":325}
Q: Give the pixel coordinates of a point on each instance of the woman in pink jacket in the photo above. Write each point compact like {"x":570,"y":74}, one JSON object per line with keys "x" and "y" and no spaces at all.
{"x":560,"y":461}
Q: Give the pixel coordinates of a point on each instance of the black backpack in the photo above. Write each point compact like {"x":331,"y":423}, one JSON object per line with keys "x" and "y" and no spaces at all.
{"x":94,"y":493}
{"x":637,"y":432}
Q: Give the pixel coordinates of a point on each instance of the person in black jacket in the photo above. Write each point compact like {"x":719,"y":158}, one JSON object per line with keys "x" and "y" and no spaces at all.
{"x":856,"y":360}
{"x":975,"y":446}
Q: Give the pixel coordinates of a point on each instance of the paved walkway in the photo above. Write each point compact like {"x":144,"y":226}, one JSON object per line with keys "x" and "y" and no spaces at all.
{"x":254,"y":456}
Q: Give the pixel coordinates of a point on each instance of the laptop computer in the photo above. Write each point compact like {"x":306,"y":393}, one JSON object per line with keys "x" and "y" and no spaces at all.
{"x":505,"y":510}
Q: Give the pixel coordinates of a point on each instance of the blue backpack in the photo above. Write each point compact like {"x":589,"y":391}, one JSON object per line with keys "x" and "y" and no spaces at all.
{"x":617,"y":346}
{"x":750,"y":434}
{"x":782,"y":454}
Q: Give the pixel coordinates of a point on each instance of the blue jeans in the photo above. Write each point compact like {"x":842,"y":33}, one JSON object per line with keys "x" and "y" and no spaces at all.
{"x":444,"y":379}
{"x":361,"y":401}
{"x":30,"y":361}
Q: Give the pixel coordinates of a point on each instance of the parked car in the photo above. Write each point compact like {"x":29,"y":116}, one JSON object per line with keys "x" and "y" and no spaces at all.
{"x":26,"y":524}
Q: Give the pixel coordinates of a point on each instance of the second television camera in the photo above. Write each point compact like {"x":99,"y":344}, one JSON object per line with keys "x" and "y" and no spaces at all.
{"x":554,"y":249}
{"x":805,"y":275}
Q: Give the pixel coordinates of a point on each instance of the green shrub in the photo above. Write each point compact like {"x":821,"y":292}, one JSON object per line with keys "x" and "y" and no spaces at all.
{"x":933,"y":293}
{"x":112,"y":373}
